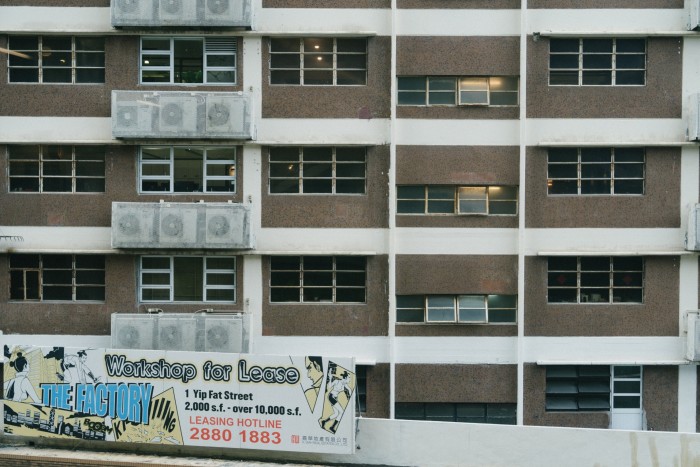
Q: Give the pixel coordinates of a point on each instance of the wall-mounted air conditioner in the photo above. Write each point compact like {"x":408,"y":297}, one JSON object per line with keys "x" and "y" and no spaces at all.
{"x":133,"y":331}
{"x":692,"y":349}
{"x":177,"y":12}
{"x":181,"y":13}
{"x":226,"y":332}
{"x":694,"y":118}
{"x":693,"y":15}
{"x":131,"y":224}
{"x":692,"y":236}
{"x":181,"y":225}
{"x":181,"y":114}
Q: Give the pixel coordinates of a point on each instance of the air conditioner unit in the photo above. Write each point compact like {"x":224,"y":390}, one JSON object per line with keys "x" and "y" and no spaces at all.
{"x":131,"y":225}
{"x":132,"y":117}
{"x":129,"y":9}
{"x":133,"y":331}
{"x":693,"y":15}
{"x":178,"y":115}
{"x":177,"y":332}
{"x":694,"y":118}
{"x":177,"y":12}
{"x":692,"y":350}
{"x":223,"y":334}
{"x":177,"y":226}
{"x":217,"y":9}
{"x":692,"y":236}
{"x":228,"y":227}
{"x":226,"y":115}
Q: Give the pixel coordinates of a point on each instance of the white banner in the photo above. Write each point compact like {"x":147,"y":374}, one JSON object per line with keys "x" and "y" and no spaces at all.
{"x":246,"y":401}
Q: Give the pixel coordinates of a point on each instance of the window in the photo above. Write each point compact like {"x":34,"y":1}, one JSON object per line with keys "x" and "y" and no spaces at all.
{"x":464,"y":90}
{"x":321,"y":61}
{"x":361,"y":385}
{"x":502,"y":414}
{"x":597,"y":62}
{"x":592,"y":279}
{"x":65,"y":278}
{"x":188,"y":60}
{"x":595,"y":171}
{"x":57,"y":169}
{"x":57,"y":59}
{"x":465,"y":309}
{"x":577,"y":388}
{"x":316,"y":170}
{"x":309,"y":279}
{"x":188,"y":279}
{"x":447,"y":199}
{"x":186,"y":169}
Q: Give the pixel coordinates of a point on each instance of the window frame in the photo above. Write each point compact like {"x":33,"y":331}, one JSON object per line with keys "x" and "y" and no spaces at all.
{"x":588,"y":160}
{"x":278,"y":277}
{"x":458,"y":412}
{"x":431,"y":202}
{"x":81,"y":277}
{"x":299,"y":163}
{"x":170,"y":271}
{"x":457,"y":91}
{"x":45,"y":159}
{"x":582,"y":55}
{"x":456,"y":308}
{"x":42,"y":52}
{"x":211,"y":46}
{"x":572,"y":388}
{"x":231,"y":165}
{"x":585,"y":294}
{"x":303,"y":69}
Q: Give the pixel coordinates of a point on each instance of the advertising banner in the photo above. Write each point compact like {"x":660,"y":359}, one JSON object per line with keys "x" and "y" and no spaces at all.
{"x":245,"y":401}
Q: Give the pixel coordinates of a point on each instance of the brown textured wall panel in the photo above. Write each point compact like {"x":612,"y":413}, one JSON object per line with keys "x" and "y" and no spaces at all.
{"x":326,"y":4}
{"x":327,"y":319}
{"x":458,"y":112}
{"x":73,"y":317}
{"x":455,"y":274}
{"x":456,"y":56}
{"x":660,"y":98}
{"x":378,"y":391}
{"x":347,"y":211}
{"x":456,"y":330}
{"x":94,"y":210}
{"x":121,"y":277}
{"x":90,"y":100}
{"x":458,"y":4}
{"x":660,"y":397}
{"x":658,"y":207}
{"x":605,"y":4}
{"x":456,"y":383}
{"x":457,"y":165}
{"x":657,"y":316}
{"x":370,"y":101}
{"x":534,"y":383}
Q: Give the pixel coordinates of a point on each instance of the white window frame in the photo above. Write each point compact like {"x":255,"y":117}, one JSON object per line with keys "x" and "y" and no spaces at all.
{"x":334,"y":177}
{"x":582,"y":162}
{"x":170,"y":179}
{"x":590,"y":298}
{"x":211,"y":46}
{"x":334,"y":62}
{"x":42,"y":160}
{"x":455,"y":308}
{"x":170,"y":286}
{"x":41,"y":52}
{"x":456,"y":205}
{"x":458,"y":93}
{"x":613,"y":67}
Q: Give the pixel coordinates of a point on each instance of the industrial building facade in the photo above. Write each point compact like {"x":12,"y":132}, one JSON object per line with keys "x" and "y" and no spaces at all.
{"x":485,"y":202}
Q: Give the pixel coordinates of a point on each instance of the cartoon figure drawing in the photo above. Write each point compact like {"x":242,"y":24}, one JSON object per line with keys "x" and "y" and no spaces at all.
{"x":338,"y":382}
{"x":75,"y":369}
{"x":19,"y":388}
{"x":314,"y":371}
